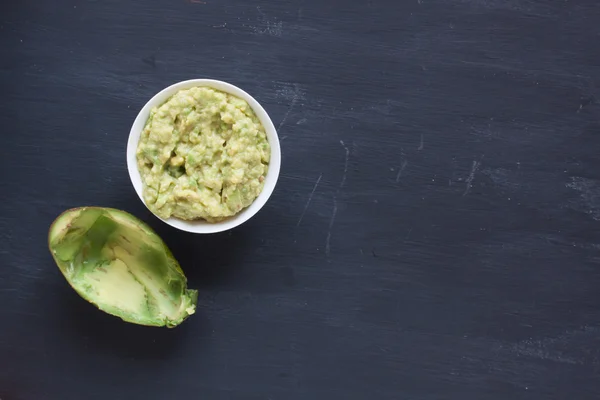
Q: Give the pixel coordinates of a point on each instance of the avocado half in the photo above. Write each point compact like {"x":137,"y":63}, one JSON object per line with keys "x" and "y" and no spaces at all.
{"x":119,"y":264}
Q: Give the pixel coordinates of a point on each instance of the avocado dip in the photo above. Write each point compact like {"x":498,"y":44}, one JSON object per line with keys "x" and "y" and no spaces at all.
{"x":203,"y":154}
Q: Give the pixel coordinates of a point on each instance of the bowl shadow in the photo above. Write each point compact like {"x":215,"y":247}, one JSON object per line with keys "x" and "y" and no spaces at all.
{"x":209,"y":261}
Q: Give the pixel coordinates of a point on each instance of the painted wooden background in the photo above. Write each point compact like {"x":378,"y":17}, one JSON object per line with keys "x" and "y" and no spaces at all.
{"x":434,"y":233}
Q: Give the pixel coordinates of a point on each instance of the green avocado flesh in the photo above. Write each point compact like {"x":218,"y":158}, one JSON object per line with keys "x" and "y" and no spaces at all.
{"x":118,"y":263}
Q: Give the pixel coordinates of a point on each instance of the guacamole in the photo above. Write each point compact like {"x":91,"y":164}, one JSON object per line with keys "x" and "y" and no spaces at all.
{"x":203,"y":154}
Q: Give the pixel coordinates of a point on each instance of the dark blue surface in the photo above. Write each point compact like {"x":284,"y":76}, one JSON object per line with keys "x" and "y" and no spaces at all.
{"x":434,"y":233}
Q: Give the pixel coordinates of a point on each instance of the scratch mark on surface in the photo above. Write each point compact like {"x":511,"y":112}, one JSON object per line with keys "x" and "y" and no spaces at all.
{"x":289,"y":110}
{"x":422,"y":144}
{"x":469,"y":181}
{"x":587,"y":101}
{"x":271,"y":28}
{"x":345,"y":165}
{"x":335,"y":196}
{"x":571,"y":347}
{"x":283,"y":138}
{"x":29,"y":146}
{"x":538,"y":72}
{"x":537,"y":350}
{"x":331,"y":222}
{"x":309,"y":199}
{"x":399,"y":174}
{"x":589,"y":201}
{"x":296,"y":95}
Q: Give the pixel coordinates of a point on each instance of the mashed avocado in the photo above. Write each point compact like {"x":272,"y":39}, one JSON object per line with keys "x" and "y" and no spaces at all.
{"x":203,"y":154}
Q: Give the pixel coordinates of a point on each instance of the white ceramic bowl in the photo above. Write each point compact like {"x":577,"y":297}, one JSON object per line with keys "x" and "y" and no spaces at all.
{"x":201,"y":226}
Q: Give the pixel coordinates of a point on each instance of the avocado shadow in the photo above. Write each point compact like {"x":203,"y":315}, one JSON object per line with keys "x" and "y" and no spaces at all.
{"x":208,"y":262}
{"x":86,"y":326}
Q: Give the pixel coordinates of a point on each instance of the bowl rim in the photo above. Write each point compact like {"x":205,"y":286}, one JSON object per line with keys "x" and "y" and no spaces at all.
{"x":201,"y":226}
